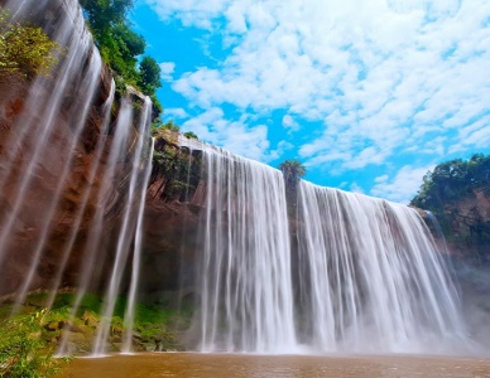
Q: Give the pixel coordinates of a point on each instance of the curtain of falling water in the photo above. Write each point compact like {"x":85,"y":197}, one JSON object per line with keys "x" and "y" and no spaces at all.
{"x":367,"y":274}
{"x":138,"y":180}
{"x":129,"y":315}
{"x":371,"y":278}
{"x":246,"y":292}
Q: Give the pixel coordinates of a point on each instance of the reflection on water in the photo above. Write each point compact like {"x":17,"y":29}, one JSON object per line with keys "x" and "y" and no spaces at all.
{"x":160,"y":365}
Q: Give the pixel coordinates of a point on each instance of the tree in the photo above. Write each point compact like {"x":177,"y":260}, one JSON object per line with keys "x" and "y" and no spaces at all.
{"x":104,"y":15}
{"x":448,"y":186}
{"x":149,"y":75}
{"x":119,"y":46}
{"x":292,"y":170}
{"x":170,"y":125}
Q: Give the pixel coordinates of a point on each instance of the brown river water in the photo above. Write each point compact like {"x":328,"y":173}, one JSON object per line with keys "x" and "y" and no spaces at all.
{"x":159,"y":365}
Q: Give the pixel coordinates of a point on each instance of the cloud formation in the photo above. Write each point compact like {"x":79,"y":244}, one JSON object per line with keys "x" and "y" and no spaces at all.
{"x":378,"y":78}
{"x":403,"y":186}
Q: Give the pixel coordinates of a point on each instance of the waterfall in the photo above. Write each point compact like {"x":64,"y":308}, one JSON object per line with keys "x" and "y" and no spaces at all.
{"x":74,"y":185}
{"x":360,"y":275}
{"x":370,"y":277}
{"x":325,"y":272}
{"x":246,"y":290}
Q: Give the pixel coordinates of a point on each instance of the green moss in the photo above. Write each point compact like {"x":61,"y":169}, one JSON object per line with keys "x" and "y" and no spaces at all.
{"x":155,"y":328}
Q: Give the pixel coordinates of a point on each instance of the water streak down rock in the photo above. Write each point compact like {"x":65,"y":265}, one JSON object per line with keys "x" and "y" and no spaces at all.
{"x":74,"y":166}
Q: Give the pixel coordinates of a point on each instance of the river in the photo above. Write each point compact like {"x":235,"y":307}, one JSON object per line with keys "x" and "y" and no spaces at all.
{"x":159,"y":365}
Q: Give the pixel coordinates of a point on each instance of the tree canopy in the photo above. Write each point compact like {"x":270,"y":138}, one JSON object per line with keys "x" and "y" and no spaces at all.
{"x":149,"y":75}
{"x":190,"y":135}
{"x":452,"y":180}
{"x":292,"y":170}
{"x":448,"y":190}
{"x":119,"y":46}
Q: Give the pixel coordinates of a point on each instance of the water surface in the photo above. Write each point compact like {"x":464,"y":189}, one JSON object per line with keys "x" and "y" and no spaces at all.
{"x":158,"y":365}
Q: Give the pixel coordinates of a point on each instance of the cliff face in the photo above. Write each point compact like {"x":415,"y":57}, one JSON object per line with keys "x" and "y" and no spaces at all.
{"x":469,"y":221}
{"x":173,"y":209}
{"x":42,"y":154}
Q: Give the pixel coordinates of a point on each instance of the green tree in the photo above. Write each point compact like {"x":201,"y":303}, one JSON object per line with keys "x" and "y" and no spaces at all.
{"x":449,"y":185}
{"x":119,"y":46}
{"x":104,"y":15}
{"x":292,"y":170}
{"x":24,"y":49}
{"x":149,"y":75}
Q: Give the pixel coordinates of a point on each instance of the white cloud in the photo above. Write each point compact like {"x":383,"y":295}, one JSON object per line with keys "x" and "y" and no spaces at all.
{"x":289,"y":123}
{"x":381,"y":77}
{"x":191,"y":12}
{"x":179,"y":113}
{"x":166,"y":71}
{"x":356,"y":188}
{"x":403,"y":186}
{"x":211,"y":127}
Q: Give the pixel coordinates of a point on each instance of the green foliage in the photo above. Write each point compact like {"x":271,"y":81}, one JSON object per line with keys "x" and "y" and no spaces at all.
{"x":157,"y":124}
{"x":190,"y":135}
{"x":157,"y":106}
{"x":34,"y":335}
{"x":292,"y":170}
{"x":149,"y":75}
{"x":24,"y":352}
{"x":103,"y":15}
{"x":24,"y":49}
{"x":170,"y":125}
{"x":448,"y":185}
{"x":119,"y":46}
{"x":452,"y":180}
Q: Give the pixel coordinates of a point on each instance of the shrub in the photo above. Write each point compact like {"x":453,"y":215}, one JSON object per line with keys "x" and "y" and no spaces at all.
{"x":190,"y":135}
{"x":23,"y":350}
{"x":24,"y":49}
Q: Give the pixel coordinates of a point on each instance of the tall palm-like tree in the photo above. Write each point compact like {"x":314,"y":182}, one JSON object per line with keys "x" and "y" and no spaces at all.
{"x":292,"y":170}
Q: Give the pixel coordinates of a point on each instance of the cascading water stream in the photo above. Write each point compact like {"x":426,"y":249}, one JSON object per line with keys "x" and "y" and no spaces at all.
{"x":129,"y":314}
{"x":36,"y":134}
{"x":362,"y":275}
{"x":126,"y":234}
{"x":94,"y":169}
{"x":246,"y":291}
{"x":371,"y":279}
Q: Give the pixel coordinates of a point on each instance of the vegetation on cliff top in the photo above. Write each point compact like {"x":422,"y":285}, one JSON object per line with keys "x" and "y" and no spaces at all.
{"x":25,"y":50}
{"x":120,"y":47}
{"x":450,"y":184}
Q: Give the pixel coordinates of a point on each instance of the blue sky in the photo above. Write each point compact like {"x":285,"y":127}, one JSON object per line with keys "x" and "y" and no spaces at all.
{"x":368,"y":94}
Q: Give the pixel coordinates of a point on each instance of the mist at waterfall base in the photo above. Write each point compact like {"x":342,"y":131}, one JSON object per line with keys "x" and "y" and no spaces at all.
{"x":323,"y":271}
